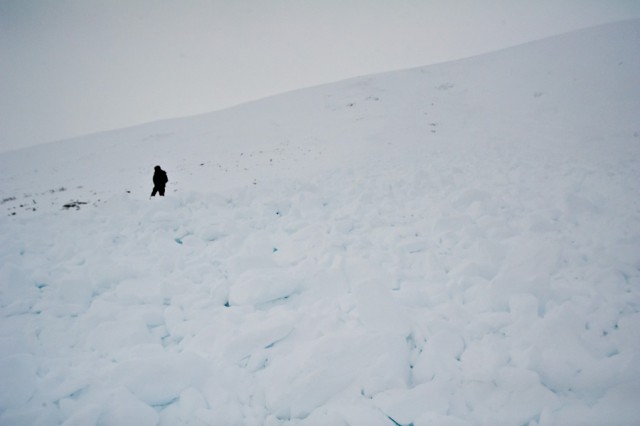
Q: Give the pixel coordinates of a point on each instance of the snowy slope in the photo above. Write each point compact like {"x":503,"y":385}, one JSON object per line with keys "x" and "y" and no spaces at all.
{"x":455,"y":244}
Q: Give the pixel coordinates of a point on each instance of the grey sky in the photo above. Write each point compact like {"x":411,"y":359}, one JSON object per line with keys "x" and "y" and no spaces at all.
{"x":72,"y":67}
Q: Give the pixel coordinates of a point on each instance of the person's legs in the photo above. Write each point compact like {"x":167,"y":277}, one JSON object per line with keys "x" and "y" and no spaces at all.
{"x":155,"y":190}
{"x":161,"y":190}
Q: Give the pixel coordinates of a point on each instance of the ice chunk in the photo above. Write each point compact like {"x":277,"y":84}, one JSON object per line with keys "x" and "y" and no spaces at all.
{"x":378,"y":309}
{"x":124,"y":408}
{"x":482,"y":358}
{"x":440,"y":355}
{"x":404,"y":407}
{"x":254,"y":287}
{"x":160,"y":380}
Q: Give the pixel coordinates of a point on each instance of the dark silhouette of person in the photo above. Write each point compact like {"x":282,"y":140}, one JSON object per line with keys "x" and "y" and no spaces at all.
{"x":160,"y":180}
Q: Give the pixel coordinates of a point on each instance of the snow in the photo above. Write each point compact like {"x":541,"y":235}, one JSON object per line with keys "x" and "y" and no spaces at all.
{"x":455,"y":244}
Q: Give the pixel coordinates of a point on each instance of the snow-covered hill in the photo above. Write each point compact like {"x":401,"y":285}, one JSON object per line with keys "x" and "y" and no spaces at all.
{"x":455,"y":244}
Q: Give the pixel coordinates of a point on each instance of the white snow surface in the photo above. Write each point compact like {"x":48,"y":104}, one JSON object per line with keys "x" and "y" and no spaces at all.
{"x":451,"y":245}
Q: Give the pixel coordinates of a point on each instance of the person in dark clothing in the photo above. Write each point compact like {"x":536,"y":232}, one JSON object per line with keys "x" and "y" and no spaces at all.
{"x":160,"y":180}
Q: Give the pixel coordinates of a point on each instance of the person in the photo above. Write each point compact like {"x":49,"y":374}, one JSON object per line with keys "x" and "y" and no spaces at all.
{"x":160,"y":180}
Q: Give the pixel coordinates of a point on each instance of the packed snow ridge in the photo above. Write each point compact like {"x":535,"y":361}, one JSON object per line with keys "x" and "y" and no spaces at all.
{"x":451,"y":245}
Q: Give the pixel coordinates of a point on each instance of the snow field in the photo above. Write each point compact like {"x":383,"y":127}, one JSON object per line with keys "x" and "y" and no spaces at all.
{"x":456,"y":244}
{"x":330,"y":300}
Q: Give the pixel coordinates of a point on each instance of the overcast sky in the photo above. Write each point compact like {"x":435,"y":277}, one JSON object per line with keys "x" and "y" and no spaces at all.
{"x":73,"y":67}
